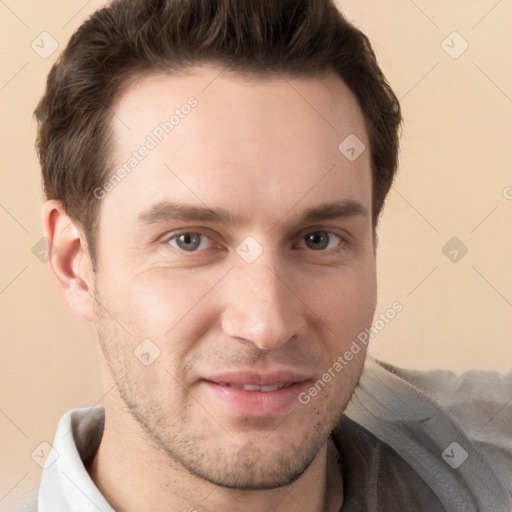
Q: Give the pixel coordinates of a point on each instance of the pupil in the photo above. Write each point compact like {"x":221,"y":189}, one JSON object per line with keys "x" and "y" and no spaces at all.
{"x":319,"y":240}
{"x":188,"y":242}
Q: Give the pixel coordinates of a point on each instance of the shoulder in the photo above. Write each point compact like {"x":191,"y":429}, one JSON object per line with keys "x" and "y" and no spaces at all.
{"x":446,"y":427}
{"x":479,"y":401}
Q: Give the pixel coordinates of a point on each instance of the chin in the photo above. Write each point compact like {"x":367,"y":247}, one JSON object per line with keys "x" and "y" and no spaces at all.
{"x":244,"y":478}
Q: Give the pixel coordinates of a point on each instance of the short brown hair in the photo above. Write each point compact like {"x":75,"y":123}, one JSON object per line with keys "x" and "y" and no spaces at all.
{"x":130,"y":37}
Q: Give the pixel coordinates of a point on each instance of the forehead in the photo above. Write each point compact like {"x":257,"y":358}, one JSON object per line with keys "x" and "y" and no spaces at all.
{"x":254,"y":146}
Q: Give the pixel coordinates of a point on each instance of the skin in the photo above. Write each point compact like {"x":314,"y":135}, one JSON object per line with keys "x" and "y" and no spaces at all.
{"x":265,"y":150}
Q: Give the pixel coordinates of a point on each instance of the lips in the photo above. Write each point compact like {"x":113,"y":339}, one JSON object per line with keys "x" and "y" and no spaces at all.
{"x":253,"y":387}
{"x":247,"y":393}
{"x":249,"y":380}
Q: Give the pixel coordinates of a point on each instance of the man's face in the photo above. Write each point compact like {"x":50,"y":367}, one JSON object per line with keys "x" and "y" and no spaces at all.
{"x":239,"y":245}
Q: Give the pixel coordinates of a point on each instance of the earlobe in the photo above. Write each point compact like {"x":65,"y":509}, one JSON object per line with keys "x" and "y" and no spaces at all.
{"x":68,"y":259}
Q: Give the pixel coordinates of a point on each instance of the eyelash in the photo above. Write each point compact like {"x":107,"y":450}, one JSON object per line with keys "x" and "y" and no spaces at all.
{"x":342,"y":244}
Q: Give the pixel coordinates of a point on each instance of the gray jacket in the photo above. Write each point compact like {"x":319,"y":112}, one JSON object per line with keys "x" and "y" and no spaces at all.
{"x":408,"y":441}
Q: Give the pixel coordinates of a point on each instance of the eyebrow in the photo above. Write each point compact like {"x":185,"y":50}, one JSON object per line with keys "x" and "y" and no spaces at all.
{"x":166,"y":211}
{"x":338,"y":210}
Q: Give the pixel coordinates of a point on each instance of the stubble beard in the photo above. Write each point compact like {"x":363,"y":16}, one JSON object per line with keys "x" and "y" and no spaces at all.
{"x":220,"y":460}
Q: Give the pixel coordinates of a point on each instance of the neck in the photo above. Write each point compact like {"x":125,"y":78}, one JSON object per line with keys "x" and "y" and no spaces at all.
{"x":133,"y":474}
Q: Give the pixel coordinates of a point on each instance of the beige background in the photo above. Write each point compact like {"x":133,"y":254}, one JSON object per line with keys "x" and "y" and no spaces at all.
{"x":454,"y":173}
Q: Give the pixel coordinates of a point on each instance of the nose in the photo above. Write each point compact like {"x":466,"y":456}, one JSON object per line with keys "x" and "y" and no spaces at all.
{"x":261,"y":307}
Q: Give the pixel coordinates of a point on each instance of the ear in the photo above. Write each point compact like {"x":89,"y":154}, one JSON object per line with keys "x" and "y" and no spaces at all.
{"x":68,"y":259}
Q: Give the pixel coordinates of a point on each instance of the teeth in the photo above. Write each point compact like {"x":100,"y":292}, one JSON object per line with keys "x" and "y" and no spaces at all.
{"x":252,"y":387}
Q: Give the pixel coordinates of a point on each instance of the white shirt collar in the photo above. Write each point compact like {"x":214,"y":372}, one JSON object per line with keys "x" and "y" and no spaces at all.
{"x":66,"y":484}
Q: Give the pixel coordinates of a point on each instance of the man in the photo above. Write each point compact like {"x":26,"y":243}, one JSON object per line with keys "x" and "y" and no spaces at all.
{"x":214,"y":174}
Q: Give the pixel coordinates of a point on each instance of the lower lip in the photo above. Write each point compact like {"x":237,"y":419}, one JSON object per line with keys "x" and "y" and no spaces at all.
{"x":256,"y":403}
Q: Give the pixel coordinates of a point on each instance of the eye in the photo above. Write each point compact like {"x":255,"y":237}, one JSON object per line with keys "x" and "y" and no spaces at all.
{"x":321,"y":240}
{"x":190,"y":241}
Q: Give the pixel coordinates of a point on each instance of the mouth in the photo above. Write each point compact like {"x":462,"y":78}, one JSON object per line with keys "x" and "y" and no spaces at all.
{"x":254,"y":387}
{"x":252,"y":394}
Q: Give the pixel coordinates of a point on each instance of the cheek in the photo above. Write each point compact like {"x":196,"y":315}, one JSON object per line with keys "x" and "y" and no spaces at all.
{"x":345,"y":301}
{"x":165,"y":295}
{"x":169,"y":306}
